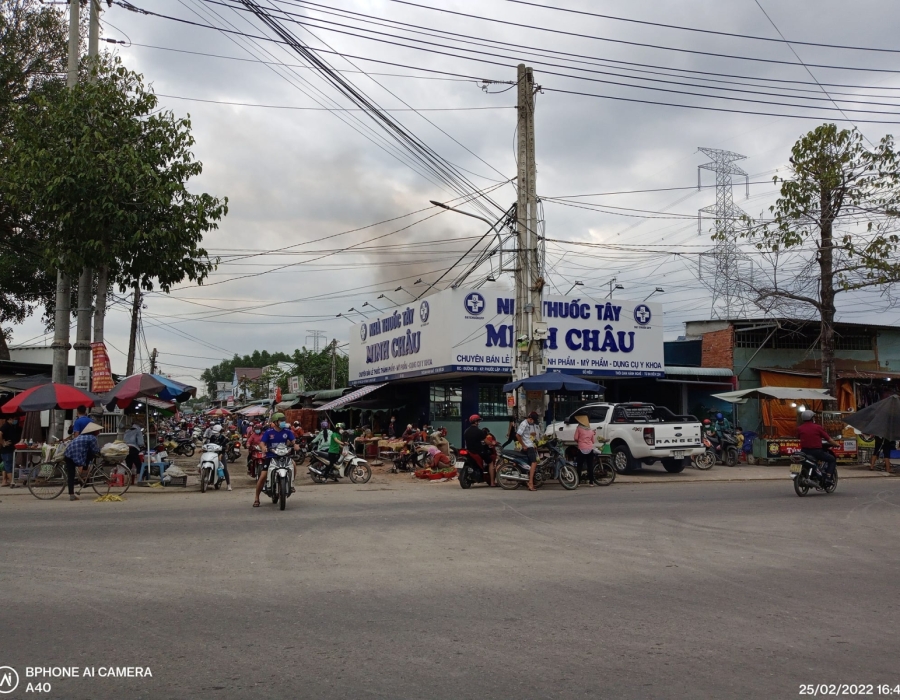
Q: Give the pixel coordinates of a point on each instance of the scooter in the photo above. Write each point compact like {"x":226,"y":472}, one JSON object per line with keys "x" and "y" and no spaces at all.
{"x":470,"y":469}
{"x":514,"y":469}
{"x":349,"y":465}
{"x":556,"y":467}
{"x":301,"y":449}
{"x":280,"y":478}
{"x":212,"y":471}
{"x":256,"y":460}
{"x":197,"y":437}
{"x":179,"y":445}
{"x":808,"y":473}
{"x":234,"y":450}
{"x":725,"y":447}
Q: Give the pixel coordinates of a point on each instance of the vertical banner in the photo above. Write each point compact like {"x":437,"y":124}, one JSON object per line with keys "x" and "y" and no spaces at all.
{"x":103,"y":380}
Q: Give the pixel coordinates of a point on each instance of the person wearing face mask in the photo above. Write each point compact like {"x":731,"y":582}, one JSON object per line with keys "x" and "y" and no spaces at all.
{"x":254,"y":438}
{"x":10,"y":434}
{"x":279,"y":433}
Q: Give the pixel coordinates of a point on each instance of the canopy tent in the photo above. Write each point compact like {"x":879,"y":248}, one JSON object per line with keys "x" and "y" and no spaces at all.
{"x":251,"y":411}
{"x":554,"y":381}
{"x":350,"y":398}
{"x":784,"y":393}
{"x":882,"y":418}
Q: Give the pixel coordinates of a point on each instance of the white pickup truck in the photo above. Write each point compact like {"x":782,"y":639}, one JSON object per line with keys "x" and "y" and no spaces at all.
{"x":637,"y":433}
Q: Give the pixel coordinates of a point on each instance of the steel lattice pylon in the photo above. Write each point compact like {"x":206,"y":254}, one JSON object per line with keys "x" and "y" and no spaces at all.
{"x":721,"y":270}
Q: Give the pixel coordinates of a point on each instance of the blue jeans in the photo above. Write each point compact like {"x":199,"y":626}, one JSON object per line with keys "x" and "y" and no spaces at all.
{"x":8,"y":461}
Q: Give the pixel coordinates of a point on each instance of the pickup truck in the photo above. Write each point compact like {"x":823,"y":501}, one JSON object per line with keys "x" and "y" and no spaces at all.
{"x":637,"y":433}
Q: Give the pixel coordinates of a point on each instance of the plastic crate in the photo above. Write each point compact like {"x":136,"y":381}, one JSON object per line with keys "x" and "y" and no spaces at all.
{"x":864,"y":455}
{"x":176,"y":481}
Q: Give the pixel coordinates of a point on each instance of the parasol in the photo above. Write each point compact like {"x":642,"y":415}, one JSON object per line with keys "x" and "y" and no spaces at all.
{"x":554,"y":381}
{"x":881,"y":418}
{"x":47,"y":397}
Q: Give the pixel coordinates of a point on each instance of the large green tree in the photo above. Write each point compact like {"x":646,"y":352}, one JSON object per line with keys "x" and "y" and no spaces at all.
{"x":834,"y":229}
{"x":102,"y":174}
{"x":33,"y":51}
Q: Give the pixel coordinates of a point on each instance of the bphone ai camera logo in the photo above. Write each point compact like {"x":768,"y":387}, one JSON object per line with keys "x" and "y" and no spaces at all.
{"x":475,"y":303}
{"x":9,"y":680}
{"x":642,"y":314}
{"x":362,"y":332}
{"x":424,"y":311}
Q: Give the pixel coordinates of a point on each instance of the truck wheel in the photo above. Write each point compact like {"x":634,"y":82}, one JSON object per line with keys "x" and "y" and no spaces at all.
{"x":622,"y":459}
{"x":673,"y":466}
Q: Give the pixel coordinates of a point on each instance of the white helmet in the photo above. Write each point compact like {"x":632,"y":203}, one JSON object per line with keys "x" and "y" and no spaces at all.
{"x":217,"y":428}
{"x":807,"y":415}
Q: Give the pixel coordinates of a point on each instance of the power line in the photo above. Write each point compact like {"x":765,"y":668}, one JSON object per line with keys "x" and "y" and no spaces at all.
{"x":341,"y":109}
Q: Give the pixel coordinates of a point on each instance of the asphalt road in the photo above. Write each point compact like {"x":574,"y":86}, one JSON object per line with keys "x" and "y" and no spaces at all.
{"x":704,"y":590}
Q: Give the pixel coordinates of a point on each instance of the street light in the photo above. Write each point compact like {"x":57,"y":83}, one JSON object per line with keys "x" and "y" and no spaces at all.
{"x":385,"y":296}
{"x":373,"y":306}
{"x":346,"y":319}
{"x":612,"y":289}
{"x":353,"y":308}
{"x":401,"y":289}
{"x":577,"y":284}
{"x":658,"y":289}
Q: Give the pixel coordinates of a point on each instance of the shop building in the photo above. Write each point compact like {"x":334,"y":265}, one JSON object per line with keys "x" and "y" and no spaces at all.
{"x":443,"y":358}
{"x":785,"y":352}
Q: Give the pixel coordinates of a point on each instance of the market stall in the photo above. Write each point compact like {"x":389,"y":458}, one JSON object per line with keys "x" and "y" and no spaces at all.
{"x":780,"y":406}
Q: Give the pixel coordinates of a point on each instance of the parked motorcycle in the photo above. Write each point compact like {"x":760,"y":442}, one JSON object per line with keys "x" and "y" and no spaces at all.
{"x":808,"y":473}
{"x":349,"y":465}
{"x":301,"y":449}
{"x":280,"y":479}
{"x":410,"y":459}
{"x":725,"y":447}
{"x":179,"y":445}
{"x":705,"y":460}
{"x":555,"y":466}
{"x":233,"y":451}
{"x":212,"y":471}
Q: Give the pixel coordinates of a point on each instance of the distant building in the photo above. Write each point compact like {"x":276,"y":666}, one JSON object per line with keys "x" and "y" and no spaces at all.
{"x":245,"y":382}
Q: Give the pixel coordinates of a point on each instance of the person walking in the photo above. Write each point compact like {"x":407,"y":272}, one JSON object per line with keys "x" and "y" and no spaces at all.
{"x":510,"y":435}
{"x":10,"y":434}
{"x":882,"y":448}
{"x":134,"y":438}
{"x":584,"y":439}
{"x":79,"y":454}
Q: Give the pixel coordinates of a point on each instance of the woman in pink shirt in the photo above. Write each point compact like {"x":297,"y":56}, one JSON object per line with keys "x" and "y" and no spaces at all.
{"x":584,"y":439}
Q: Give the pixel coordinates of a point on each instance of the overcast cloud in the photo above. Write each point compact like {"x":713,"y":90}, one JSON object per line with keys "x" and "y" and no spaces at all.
{"x":292,"y":176}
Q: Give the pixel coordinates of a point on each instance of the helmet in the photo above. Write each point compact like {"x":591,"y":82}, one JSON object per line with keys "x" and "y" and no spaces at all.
{"x":339,"y":426}
{"x":807,"y":415}
{"x":277,"y":417}
{"x":719,"y":416}
{"x":474,"y":418}
{"x":707,"y":421}
{"x":217,"y":429}
{"x":296,"y":424}
{"x":323,"y":424}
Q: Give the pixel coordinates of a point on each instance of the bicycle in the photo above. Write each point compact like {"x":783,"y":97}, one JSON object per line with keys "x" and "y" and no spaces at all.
{"x":48,"y":480}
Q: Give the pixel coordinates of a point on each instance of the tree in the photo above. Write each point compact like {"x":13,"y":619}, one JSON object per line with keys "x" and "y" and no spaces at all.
{"x":102,"y":176}
{"x":833,"y":230}
{"x":314,"y":367}
{"x":33,"y":52}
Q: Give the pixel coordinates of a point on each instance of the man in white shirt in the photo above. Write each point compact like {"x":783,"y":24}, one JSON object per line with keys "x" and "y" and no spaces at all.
{"x":529,"y":433}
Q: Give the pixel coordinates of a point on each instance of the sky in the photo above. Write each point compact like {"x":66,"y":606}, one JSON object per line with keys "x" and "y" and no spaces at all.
{"x":295,"y":173}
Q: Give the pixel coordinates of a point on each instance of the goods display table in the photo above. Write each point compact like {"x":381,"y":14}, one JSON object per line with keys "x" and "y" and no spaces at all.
{"x":24,"y":458}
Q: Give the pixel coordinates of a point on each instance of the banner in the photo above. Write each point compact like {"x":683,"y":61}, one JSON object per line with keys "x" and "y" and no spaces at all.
{"x":103,"y":380}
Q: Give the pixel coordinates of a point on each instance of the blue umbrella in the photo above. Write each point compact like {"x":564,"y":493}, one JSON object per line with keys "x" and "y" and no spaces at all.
{"x":174,"y":391}
{"x":554,"y":381}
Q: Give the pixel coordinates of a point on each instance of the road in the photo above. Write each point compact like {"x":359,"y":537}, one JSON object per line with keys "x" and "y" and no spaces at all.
{"x":397,"y":590}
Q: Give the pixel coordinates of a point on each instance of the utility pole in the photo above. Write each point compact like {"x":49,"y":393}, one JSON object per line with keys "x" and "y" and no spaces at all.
{"x":529,"y":280}
{"x":153,"y":356}
{"x":132,"y":338}
{"x":316,"y":337}
{"x":60,"y":344}
{"x":333,"y":353}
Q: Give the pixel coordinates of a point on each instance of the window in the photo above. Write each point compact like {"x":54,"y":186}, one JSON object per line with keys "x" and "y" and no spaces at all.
{"x":445,"y":401}
{"x":801,"y":338}
{"x":492,"y":401}
{"x":596,"y":414}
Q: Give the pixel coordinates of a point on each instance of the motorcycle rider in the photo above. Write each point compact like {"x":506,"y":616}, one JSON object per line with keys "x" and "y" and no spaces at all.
{"x":254,"y":438}
{"x":335,"y":445}
{"x":473,"y":439}
{"x":277,"y":434}
{"x":811,"y":436}
{"x":321,"y":439}
{"x":218,"y":437}
{"x":722,"y":425}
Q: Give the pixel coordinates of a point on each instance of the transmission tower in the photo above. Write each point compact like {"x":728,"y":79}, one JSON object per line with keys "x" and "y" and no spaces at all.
{"x":722,"y":269}
{"x":316,"y":337}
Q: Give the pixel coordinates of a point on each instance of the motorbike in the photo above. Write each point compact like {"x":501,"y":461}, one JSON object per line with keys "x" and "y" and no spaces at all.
{"x":705,"y":460}
{"x":301,"y":449}
{"x":255,"y":460}
{"x":280,"y":478}
{"x":212,"y":471}
{"x":233,"y":451}
{"x":410,"y":459}
{"x":180,"y":445}
{"x":725,"y":448}
{"x":808,"y":473}
{"x":197,"y":437}
{"x":514,"y":468}
{"x":470,"y":469}
{"x":348,"y":465}
{"x":555,"y":466}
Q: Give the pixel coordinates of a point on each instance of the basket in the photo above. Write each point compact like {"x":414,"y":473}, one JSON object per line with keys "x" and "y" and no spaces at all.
{"x":176,"y":481}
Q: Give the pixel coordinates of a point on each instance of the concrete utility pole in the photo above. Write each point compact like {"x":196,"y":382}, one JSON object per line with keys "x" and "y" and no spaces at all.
{"x":132,"y":338}
{"x":86,"y":280}
{"x":60,"y":345}
{"x":529,"y":280}
{"x":333,"y":353}
{"x":153,"y":356}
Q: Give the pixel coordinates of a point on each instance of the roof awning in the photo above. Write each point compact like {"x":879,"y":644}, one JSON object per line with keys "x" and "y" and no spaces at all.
{"x":350,"y":398}
{"x":699,"y":371}
{"x":787,"y":393}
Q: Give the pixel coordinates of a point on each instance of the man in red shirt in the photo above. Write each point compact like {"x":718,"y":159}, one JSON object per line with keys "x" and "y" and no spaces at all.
{"x":811,"y":437}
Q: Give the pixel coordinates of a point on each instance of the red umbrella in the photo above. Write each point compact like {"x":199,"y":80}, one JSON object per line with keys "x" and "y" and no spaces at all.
{"x":47,"y":397}
{"x":137,"y":386}
{"x":218,"y":412}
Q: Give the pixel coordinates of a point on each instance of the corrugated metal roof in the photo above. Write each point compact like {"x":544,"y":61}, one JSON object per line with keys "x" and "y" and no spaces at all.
{"x":699,"y":371}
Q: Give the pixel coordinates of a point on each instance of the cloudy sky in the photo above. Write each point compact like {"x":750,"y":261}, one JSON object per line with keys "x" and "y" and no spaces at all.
{"x":295,"y":172}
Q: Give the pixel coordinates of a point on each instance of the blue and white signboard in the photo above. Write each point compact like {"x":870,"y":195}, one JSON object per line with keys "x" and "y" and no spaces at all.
{"x":462,"y":330}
